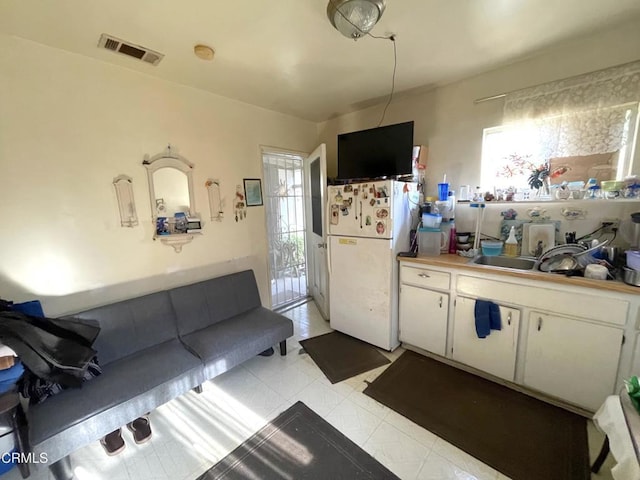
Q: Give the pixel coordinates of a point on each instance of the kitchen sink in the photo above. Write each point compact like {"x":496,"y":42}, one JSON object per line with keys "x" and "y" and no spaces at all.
{"x":513,"y":263}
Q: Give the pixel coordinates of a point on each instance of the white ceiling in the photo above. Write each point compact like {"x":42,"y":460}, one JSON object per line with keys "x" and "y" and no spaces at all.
{"x":284,"y":55}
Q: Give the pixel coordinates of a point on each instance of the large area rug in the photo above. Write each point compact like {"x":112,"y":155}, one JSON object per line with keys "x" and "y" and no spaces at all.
{"x":340,"y":356}
{"x":298,"y":444}
{"x":520,"y":436}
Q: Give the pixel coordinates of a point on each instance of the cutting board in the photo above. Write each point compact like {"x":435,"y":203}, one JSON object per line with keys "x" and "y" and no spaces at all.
{"x":545,"y":233}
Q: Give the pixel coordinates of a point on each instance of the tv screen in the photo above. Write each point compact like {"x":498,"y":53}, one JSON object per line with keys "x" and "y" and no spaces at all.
{"x":376,"y":152}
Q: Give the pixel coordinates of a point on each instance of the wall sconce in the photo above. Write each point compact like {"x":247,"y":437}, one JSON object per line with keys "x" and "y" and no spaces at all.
{"x":126,"y":202}
{"x":215,"y":201}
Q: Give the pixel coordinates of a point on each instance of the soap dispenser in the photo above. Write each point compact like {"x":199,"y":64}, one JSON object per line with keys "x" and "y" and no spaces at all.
{"x":511,"y":245}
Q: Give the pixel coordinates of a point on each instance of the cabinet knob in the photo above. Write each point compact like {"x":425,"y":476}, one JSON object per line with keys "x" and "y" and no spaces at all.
{"x":423,"y":275}
{"x":539,"y":323}
{"x":440,"y":302}
{"x":509,"y":319}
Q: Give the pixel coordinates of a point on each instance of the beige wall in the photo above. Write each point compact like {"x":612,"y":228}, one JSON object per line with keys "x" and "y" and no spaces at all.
{"x":68,"y":126}
{"x":451,"y":124}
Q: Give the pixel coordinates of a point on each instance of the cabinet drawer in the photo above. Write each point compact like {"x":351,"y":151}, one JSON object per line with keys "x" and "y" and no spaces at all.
{"x":425,"y":277}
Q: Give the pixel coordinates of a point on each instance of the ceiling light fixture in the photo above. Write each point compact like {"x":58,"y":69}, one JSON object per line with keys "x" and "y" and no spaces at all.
{"x":354,"y":18}
{"x":203,"y":52}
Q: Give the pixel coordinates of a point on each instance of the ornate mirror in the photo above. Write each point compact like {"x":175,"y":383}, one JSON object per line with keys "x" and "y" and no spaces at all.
{"x":171,"y":195}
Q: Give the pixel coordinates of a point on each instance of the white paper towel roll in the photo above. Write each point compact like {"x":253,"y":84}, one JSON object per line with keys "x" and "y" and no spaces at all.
{"x":598,"y":272}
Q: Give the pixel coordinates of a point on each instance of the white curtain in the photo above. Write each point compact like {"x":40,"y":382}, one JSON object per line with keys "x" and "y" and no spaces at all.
{"x":583,"y":115}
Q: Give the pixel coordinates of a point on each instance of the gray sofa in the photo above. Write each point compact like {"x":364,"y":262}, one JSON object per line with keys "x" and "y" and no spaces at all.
{"x":153,"y":349}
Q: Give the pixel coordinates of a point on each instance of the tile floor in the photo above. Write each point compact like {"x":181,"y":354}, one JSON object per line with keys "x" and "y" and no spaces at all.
{"x":193,"y":432}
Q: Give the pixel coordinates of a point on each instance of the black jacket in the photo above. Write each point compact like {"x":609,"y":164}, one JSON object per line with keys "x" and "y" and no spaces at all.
{"x":53,"y":349}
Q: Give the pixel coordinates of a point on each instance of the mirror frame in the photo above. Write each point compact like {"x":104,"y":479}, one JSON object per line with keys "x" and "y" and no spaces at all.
{"x":169,"y":159}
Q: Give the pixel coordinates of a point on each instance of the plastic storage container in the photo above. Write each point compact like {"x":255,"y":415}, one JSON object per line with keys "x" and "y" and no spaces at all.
{"x":431,"y":220}
{"x":446,"y":230}
{"x":595,"y":271}
{"x":430,"y":241}
{"x":490,"y":247}
{"x":633,"y":259}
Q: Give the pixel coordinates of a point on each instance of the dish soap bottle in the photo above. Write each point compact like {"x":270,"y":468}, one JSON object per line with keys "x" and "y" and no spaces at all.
{"x":511,"y":245}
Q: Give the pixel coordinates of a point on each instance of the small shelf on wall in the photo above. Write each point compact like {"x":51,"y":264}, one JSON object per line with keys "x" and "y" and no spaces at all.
{"x":176,"y":240}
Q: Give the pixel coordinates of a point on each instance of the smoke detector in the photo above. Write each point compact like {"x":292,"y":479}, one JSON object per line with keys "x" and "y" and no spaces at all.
{"x":117,"y":45}
{"x":203,"y":52}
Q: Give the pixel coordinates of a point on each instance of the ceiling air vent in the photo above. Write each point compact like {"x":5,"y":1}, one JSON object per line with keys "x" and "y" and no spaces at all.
{"x":127,"y":48}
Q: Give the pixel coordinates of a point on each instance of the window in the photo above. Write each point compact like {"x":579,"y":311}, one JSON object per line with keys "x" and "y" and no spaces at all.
{"x":571,"y":130}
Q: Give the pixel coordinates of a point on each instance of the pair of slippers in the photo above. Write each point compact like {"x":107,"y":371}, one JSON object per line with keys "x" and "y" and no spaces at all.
{"x":113,"y":443}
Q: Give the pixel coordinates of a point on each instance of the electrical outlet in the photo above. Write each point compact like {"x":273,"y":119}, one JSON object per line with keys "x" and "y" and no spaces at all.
{"x":610,"y":224}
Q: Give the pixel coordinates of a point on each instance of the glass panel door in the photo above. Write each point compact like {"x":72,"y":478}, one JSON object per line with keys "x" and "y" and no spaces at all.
{"x":284,"y":200}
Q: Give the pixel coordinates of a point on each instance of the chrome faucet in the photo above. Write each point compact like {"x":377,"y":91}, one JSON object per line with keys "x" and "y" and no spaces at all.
{"x":539,"y":249}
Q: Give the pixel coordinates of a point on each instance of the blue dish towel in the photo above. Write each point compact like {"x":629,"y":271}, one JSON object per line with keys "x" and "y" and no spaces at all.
{"x":487,"y":316}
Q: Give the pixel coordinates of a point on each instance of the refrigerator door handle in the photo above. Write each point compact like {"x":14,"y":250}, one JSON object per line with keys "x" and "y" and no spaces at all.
{"x":329,"y":256}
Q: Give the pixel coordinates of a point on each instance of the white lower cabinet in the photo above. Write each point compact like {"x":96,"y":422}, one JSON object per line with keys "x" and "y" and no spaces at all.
{"x":572,"y":359}
{"x":562,"y":341}
{"x":495,"y":354}
{"x":423,"y":318}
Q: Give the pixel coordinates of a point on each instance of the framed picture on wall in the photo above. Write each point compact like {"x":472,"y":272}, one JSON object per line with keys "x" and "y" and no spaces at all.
{"x":253,"y":192}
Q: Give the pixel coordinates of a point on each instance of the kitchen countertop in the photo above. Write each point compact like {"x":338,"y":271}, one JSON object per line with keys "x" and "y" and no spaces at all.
{"x":458,"y":262}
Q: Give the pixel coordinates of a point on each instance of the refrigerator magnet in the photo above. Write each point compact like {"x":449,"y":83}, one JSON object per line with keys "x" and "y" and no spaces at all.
{"x":372,"y":202}
{"x":380,"y":227}
{"x":335,"y":214}
{"x":382,"y":213}
{"x":368,"y":220}
{"x":348,"y":188}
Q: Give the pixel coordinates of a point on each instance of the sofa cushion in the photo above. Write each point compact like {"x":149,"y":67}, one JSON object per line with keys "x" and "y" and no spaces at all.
{"x":155,"y":375}
{"x":230,"y":342}
{"x":132,"y":325}
{"x":205,"y":303}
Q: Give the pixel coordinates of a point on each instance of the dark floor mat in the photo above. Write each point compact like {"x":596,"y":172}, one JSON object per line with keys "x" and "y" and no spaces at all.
{"x":298,"y":444}
{"x":340,"y":356}
{"x":520,"y":436}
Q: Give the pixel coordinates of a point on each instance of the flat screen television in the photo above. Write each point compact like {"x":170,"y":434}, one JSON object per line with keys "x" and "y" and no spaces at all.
{"x":376,"y":152}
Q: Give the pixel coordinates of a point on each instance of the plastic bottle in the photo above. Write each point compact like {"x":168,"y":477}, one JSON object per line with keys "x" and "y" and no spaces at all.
{"x":452,"y":203}
{"x":453,"y":246}
{"x":511,"y":245}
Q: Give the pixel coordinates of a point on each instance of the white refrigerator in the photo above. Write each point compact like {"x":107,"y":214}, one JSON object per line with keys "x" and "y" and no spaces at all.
{"x":369,"y":224}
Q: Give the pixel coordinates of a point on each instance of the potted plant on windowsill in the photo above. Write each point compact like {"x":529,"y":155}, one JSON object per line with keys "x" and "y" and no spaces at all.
{"x":540,"y":180}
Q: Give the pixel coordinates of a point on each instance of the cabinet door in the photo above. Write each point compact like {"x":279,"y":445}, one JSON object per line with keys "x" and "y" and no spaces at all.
{"x":423,"y":318}
{"x":572,"y":359}
{"x":495,"y":354}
